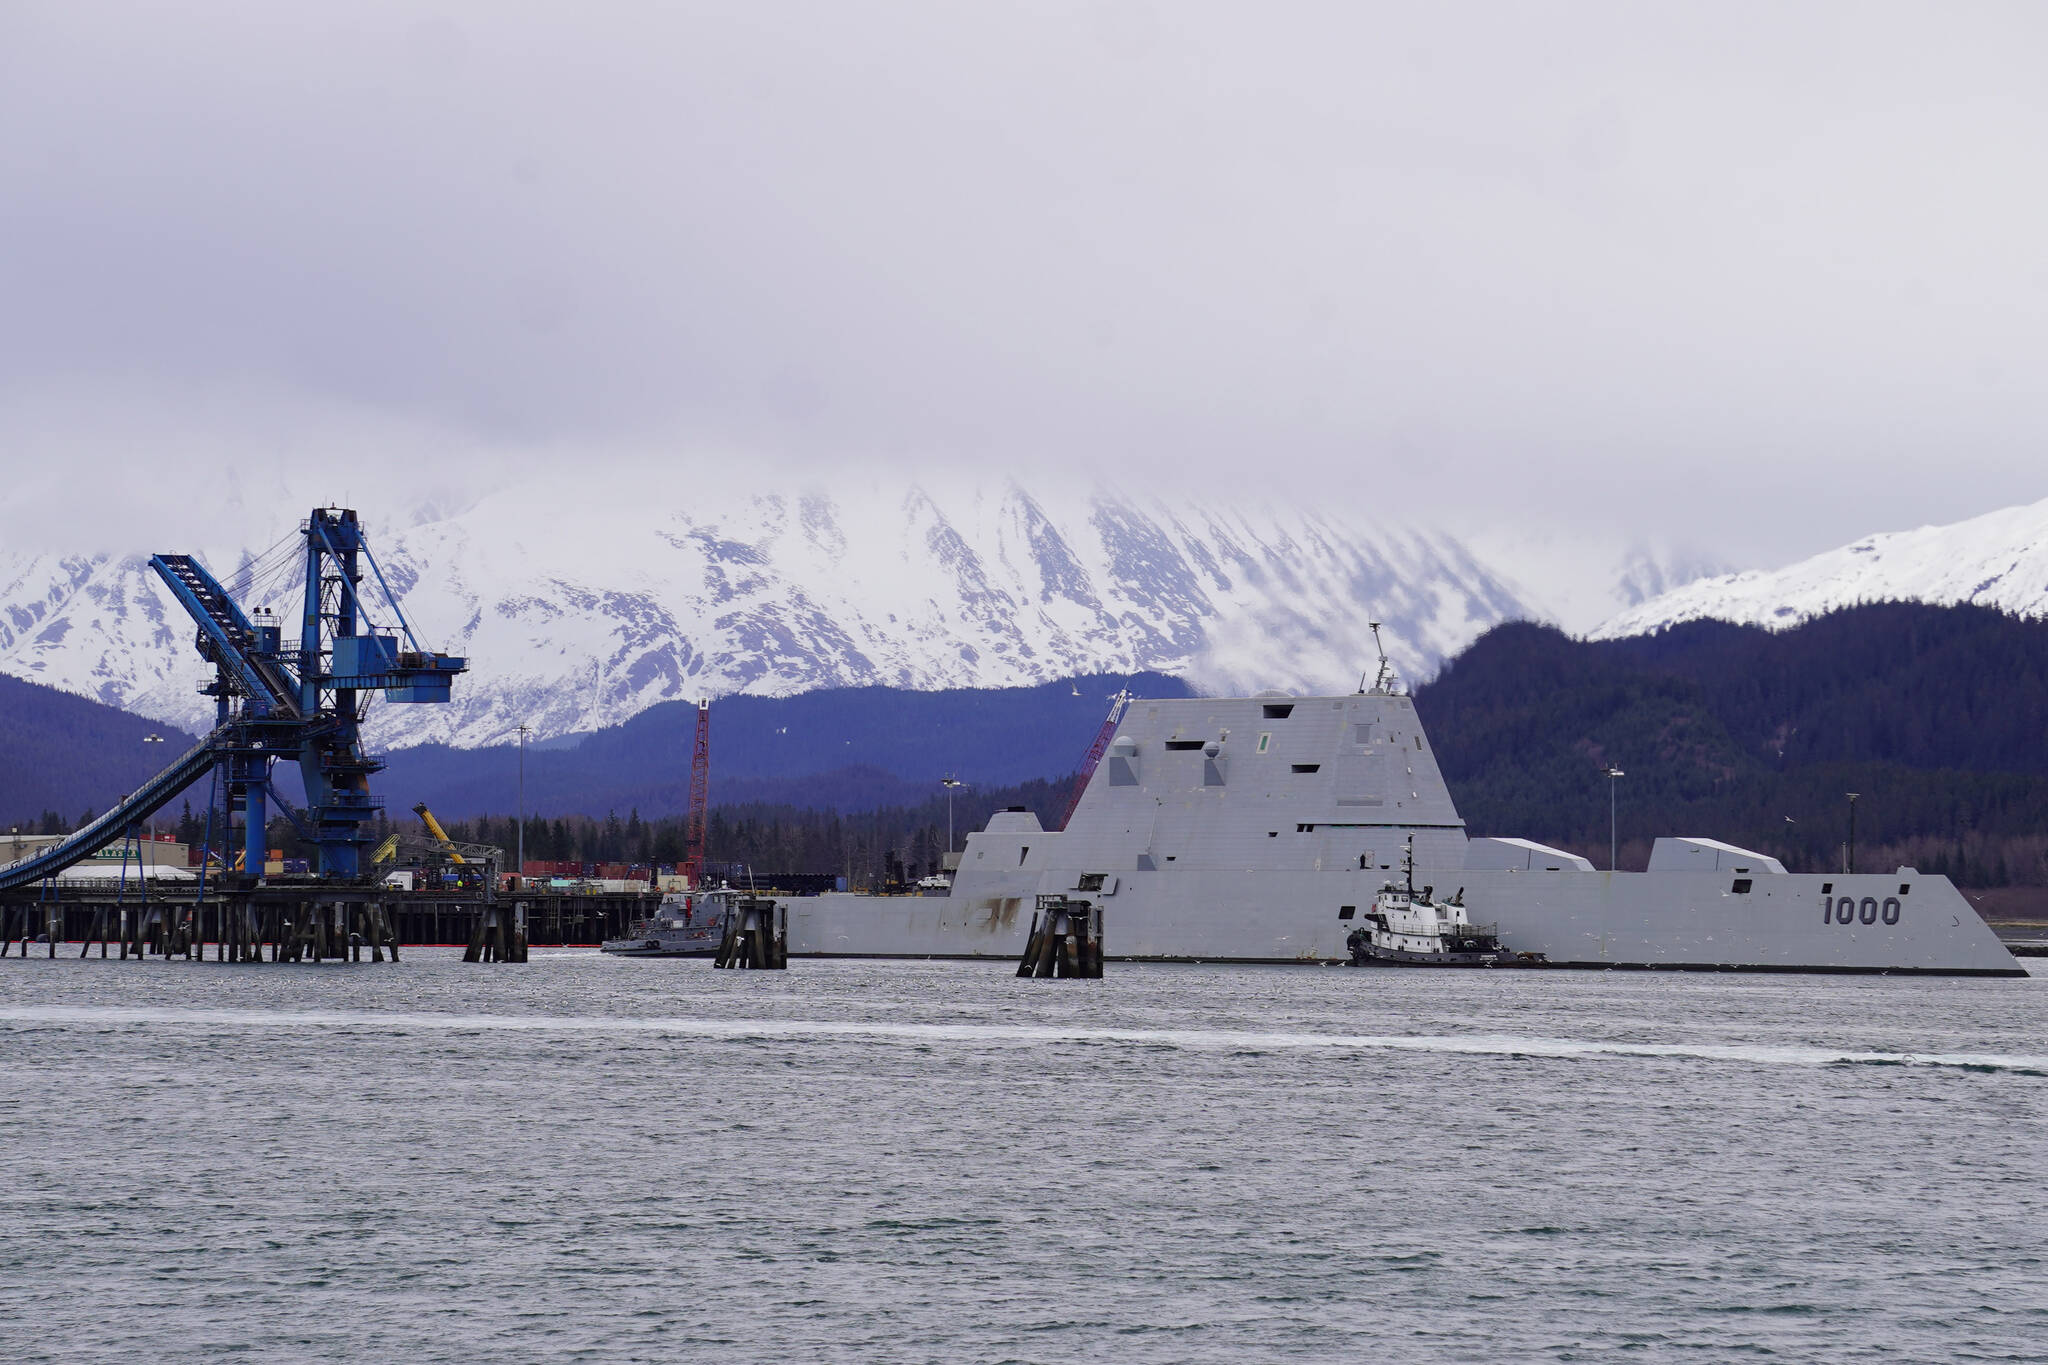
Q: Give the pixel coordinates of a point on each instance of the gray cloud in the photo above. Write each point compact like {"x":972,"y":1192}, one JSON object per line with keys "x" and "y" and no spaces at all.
{"x":1759,"y":277}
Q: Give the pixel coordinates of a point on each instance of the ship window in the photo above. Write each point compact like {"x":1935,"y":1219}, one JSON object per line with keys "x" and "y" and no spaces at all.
{"x":1264,"y":740}
{"x":1346,"y":911}
{"x":1741,"y":887}
{"x":1279,"y":710}
{"x":1304,"y":829}
{"x":1022,"y":854}
{"x":1272,"y":834}
{"x":1307,"y":767}
{"x":1904,"y":887}
{"x":1182,"y":744}
{"x":1827,"y":888}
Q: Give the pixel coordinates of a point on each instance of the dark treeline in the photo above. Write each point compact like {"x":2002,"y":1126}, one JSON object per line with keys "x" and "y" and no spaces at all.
{"x":1937,"y":716}
{"x":869,"y":848}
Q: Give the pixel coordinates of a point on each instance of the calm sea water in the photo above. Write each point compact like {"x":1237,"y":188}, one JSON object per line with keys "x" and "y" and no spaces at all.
{"x":590,"y":1159}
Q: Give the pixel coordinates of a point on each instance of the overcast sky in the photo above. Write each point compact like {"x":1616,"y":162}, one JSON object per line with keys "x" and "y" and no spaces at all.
{"x":1756,"y":278}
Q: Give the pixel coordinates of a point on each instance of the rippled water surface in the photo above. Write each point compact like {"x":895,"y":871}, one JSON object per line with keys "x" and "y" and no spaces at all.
{"x":589,"y":1159}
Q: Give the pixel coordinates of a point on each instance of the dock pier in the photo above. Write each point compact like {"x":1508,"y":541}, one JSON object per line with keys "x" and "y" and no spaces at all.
{"x":316,"y":922}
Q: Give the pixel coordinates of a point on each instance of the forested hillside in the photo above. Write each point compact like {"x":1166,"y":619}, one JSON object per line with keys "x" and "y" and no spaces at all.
{"x":62,"y":755}
{"x":1937,"y":716}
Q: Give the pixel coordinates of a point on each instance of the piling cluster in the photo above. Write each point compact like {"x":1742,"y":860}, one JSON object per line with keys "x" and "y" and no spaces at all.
{"x":756,"y":935}
{"x":500,"y":934}
{"x":1066,"y":939}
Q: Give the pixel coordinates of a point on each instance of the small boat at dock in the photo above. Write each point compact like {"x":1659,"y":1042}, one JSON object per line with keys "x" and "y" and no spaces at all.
{"x":685,"y":924}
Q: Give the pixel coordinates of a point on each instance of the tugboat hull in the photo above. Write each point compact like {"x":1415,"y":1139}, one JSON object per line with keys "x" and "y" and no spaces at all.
{"x":655,"y":947}
{"x":1371,"y":955}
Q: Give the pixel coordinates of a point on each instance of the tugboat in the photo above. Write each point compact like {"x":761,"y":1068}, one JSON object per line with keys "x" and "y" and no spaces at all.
{"x":686,"y":924}
{"x":1410,"y":928}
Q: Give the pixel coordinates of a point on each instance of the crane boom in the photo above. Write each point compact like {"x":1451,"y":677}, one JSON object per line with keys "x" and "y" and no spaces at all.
{"x":434,"y":828}
{"x":1117,"y":704}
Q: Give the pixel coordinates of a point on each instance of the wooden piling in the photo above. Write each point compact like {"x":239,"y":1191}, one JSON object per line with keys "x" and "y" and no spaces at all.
{"x":756,"y":935}
{"x":1065,"y":940}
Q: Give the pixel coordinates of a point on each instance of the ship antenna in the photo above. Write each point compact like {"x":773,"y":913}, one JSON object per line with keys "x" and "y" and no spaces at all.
{"x":1408,"y":866}
{"x":1383,"y":681}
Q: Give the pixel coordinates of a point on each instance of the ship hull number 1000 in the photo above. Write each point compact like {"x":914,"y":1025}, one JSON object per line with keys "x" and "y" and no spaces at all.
{"x":1849,"y":910}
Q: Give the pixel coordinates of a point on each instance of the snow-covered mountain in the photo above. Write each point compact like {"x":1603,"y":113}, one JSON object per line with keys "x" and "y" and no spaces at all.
{"x":1997,"y":560}
{"x":1576,"y":574}
{"x":579,"y":610}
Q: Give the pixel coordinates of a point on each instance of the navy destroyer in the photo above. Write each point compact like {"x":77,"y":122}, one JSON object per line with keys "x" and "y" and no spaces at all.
{"x":1257,"y":829}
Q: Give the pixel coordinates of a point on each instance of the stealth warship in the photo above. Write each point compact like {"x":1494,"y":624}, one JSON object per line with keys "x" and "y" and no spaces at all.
{"x":1260,"y":829}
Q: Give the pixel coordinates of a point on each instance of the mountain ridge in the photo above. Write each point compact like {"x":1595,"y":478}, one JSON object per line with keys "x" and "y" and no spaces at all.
{"x":1999,"y":559}
{"x":577,"y":615}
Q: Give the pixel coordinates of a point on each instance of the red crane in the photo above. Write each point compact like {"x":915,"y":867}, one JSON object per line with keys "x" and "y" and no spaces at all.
{"x":1117,"y":704}
{"x":700,"y":796}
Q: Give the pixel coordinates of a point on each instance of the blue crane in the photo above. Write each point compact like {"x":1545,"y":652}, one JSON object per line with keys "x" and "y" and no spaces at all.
{"x":278,"y":700}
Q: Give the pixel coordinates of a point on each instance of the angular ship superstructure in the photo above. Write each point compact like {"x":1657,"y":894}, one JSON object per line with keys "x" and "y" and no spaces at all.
{"x":1260,"y":829}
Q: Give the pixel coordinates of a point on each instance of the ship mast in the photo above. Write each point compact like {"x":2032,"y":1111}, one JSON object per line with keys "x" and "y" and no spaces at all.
{"x":1383,"y":681}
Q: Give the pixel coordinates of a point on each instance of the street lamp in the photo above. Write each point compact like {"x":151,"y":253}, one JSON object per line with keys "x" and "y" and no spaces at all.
{"x":524,"y":730}
{"x":1849,"y":857}
{"x":1613,"y":825}
{"x":151,"y":739}
{"x":950,"y":783}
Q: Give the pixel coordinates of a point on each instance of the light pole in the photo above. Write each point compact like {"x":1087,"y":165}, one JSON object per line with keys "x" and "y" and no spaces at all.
{"x":152,"y":739}
{"x":523,"y":731}
{"x":950,"y":782}
{"x":1849,"y":857}
{"x":1613,"y":824}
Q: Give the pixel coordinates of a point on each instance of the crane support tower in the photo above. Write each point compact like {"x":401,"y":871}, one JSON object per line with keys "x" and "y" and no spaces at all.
{"x":700,"y":796}
{"x":277,"y":700}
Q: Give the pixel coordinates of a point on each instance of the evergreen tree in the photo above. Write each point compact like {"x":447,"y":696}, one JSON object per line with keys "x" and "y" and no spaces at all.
{"x":189,"y":830}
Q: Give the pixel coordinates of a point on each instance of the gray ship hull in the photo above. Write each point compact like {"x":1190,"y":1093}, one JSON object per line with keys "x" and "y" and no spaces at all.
{"x":1623,"y":920}
{"x":1259,"y":829}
